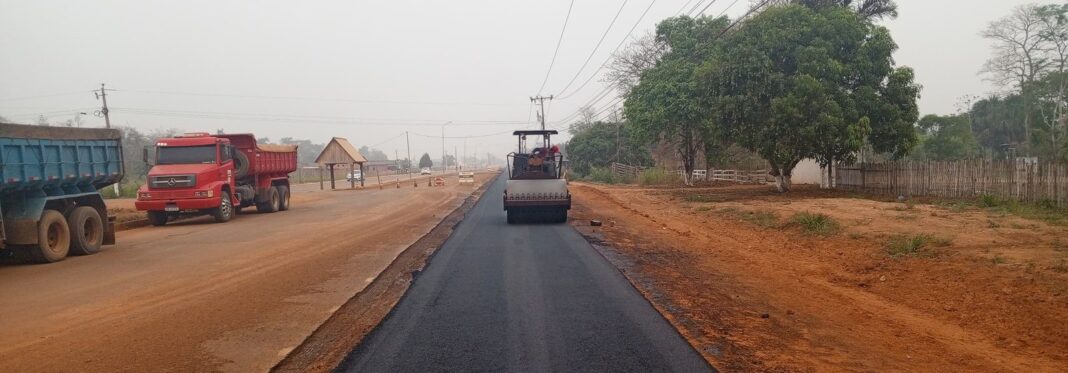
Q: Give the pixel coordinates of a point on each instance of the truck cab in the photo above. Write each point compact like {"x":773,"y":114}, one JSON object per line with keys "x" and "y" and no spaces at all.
{"x":199,"y":173}
{"x":190,"y":173}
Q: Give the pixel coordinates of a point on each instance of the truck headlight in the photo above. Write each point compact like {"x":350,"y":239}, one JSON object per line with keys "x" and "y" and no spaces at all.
{"x":204,"y":193}
{"x":144,"y":195}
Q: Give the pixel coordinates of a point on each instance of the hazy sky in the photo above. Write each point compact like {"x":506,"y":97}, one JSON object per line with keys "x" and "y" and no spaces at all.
{"x":371,"y":70}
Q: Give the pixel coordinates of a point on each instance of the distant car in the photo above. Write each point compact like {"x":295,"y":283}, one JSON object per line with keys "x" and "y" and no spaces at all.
{"x":355,"y":175}
{"x":425,"y":171}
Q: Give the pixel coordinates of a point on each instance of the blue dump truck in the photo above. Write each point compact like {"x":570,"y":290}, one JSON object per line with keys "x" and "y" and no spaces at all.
{"x":50,"y":178}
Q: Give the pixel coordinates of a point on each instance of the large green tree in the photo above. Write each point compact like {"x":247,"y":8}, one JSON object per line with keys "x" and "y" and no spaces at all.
{"x":800,"y":82}
{"x":667,"y":104}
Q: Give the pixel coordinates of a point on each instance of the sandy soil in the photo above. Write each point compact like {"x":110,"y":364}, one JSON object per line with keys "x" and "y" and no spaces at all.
{"x":755,"y":297}
{"x":199,"y":296}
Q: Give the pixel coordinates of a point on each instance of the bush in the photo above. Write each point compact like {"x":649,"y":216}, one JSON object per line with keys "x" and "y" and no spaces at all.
{"x":656,"y":176}
{"x":819,"y":224}
{"x":987,"y":200}
{"x":602,"y":175}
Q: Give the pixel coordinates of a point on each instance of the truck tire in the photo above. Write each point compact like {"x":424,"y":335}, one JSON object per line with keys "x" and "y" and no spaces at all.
{"x":158,"y":218}
{"x":271,"y":204}
{"x":240,"y":164}
{"x":512,"y":218}
{"x":86,"y":231}
{"x":561,"y":215}
{"x":53,"y":239}
{"x":283,"y":197}
{"x":225,"y":211}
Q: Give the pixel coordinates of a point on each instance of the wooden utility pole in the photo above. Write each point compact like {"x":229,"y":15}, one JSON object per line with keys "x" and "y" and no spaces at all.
{"x":103,"y":95}
{"x":541,"y":102}
{"x":408,"y":145}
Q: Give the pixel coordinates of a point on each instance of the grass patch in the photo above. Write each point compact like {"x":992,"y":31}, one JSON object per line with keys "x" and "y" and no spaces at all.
{"x":1045,"y":210}
{"x":703,"y":208}
{"x":766,"y":219}
{"x":702,"y":198}
{"x":816,"y":223}
{"x":997,"y":259}
{"x":915,"y":245}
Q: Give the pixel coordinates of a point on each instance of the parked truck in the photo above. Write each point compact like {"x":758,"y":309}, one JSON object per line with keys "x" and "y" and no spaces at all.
{"x":50,"y":178}
{"x":199,"y":173}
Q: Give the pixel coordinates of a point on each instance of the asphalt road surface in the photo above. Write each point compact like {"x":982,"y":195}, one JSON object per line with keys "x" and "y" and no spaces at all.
{"x":497,"y":297}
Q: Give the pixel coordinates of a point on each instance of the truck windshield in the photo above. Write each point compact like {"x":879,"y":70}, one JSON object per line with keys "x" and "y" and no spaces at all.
{"x":185,"y":155}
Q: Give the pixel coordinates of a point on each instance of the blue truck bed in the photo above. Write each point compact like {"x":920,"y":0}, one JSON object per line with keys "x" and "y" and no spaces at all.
{"x":57,"y":169}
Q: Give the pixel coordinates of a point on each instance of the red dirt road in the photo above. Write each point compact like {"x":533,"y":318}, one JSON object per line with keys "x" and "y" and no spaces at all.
{"x":199,"y":296}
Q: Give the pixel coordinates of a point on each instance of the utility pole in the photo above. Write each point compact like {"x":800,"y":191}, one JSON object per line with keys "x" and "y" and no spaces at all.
{"x":619,"y":125}
{"x":456,"y":161}
{"x":541,"y":102}
{"x":409,"y":147}
{"x":444,"y":162}
{"x":103,"y":95}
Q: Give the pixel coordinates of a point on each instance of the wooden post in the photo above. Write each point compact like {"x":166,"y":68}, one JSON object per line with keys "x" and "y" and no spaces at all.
{"x":379,"y":177}
{"x":332,"y":186}
{"x":352,"y":180}
{"x":321,"y":178}
{"x":362,"y":175}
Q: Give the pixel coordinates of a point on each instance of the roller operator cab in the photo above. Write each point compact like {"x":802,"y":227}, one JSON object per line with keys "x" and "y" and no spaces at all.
{"x":218,"y":175}
{"x":536,"y":188}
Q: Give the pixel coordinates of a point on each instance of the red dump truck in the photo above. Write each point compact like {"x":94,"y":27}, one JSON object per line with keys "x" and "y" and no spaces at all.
{"x":199,"y":173}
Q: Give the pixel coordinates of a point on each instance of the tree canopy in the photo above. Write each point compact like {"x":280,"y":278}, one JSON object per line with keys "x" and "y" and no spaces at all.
{"x":667,"y":103}
{"x":799,"y":82}
{"x":425,"y":161}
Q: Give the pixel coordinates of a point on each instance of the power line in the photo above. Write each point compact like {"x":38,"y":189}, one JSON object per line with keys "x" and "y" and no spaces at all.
{"x":558,"y":42}
{"x":464,"y":137}
{"x":690,"y":13}
{"x":684,"y":6}
{"x":175,"y":93}
{"x":304,"y":118}
{"x":594,"y":51}
{"x":709,"y":5}
{"x":43,"y":96}
{"x":728,"y":8}
{"x":725,"y":30}
{"x":610,"y":55}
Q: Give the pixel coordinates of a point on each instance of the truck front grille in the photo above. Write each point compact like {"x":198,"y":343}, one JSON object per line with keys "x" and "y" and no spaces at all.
{"x":173,"y":181}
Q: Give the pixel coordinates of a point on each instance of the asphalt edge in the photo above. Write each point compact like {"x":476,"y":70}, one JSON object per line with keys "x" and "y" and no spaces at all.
{"x":326,"y":348}
{"x":600,"y":246}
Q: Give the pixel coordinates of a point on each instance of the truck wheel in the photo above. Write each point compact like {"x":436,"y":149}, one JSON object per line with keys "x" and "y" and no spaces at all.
{"x":225,"y":211}
{"x":512,"y":218}
{"x":283,"y":198}
{"x":86,"y":231}
{"x":271,"y":205}
{"x":561,"y":215}
{"x":53,"y":239}
{"x":158,"y":218}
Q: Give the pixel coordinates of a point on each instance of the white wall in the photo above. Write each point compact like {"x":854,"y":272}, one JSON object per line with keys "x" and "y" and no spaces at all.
{"x":807,"y":172}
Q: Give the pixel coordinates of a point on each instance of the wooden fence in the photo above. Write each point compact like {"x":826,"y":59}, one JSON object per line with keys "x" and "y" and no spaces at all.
{"x":1021,"y":180}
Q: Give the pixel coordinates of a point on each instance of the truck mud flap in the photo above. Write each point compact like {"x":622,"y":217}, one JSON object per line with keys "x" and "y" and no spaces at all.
{"x":109,"y":231}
